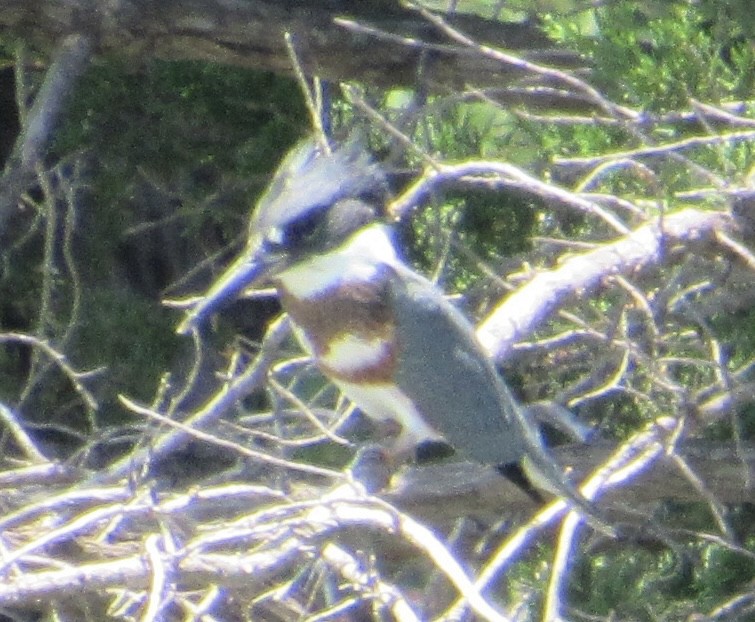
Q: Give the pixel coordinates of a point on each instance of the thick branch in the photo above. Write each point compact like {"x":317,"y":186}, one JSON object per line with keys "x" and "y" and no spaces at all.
{"x":530,"y":306}
{"x":69,"y":62}
{"x":375,"y":41}
{"x":441,"y":493}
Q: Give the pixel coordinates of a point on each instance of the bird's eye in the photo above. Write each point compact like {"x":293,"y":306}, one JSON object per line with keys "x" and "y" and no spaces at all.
{"x":299,"y":232}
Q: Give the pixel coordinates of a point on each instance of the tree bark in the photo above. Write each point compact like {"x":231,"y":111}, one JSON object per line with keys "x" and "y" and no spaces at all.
{"x":439,"y":494}
{"x":377,"y":42}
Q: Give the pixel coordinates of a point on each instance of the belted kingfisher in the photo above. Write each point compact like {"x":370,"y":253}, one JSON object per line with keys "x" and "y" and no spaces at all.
{"x":385,"y":335}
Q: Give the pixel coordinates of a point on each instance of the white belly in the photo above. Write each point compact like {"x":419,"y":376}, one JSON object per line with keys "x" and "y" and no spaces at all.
{"x":359,"y":260}
{"x":381,"y":403}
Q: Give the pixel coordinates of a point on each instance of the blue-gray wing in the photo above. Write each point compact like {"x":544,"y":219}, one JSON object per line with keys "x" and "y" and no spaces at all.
{"x":448,"y":376}
{"x":455,"y":385}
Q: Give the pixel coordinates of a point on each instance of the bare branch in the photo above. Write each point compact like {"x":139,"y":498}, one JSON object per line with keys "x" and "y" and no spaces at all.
{"x":253,"y":377}
{"x":70,"y":61}
{"x":527,"y":308}
{"x":497,"y":175}
{"x":10,"y":421}
{"x":659,"y":150}
{"x":59,"y":359}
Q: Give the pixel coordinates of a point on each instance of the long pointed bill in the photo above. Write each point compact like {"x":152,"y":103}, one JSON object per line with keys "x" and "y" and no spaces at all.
{"x":250,"y":268}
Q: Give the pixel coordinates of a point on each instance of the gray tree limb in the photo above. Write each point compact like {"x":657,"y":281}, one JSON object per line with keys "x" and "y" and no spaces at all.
{"x":532,"y":304}
{"x":379,"y":42}
{"x":70,"y":60}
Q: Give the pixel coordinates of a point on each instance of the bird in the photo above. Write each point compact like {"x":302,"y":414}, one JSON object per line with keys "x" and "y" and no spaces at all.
{"x":385,"y":335}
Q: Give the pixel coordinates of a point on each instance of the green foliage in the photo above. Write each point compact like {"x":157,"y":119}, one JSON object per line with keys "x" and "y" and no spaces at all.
{"x":662,"y":61}
{"x":722,"y":571}
{"x":614,"y":578}
{"x":172,"y":116}
{"x":654,"y":57}
{"x":160,"y":139}
{"x":488,"y":222}
{"x":495,"y":223}
{"x":131,"y":337}
{"x":655,"y":582}
{"x":184,"y":125}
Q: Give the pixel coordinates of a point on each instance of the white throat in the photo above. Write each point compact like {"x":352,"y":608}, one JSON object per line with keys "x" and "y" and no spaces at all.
{"x":356,"y":260}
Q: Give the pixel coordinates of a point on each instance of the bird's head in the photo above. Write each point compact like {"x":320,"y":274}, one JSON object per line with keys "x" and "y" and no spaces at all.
{"x":314,"y":203}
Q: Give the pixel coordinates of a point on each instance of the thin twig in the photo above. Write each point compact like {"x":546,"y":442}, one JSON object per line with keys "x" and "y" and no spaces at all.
{"x":496,"y":174}
{"x":252,"y":378}
{"x":233,"y":446}
{"x":24,"y":441}
{"x":315,"y":112}
{"x":59,"y":359}
{"x":659,"y":150}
